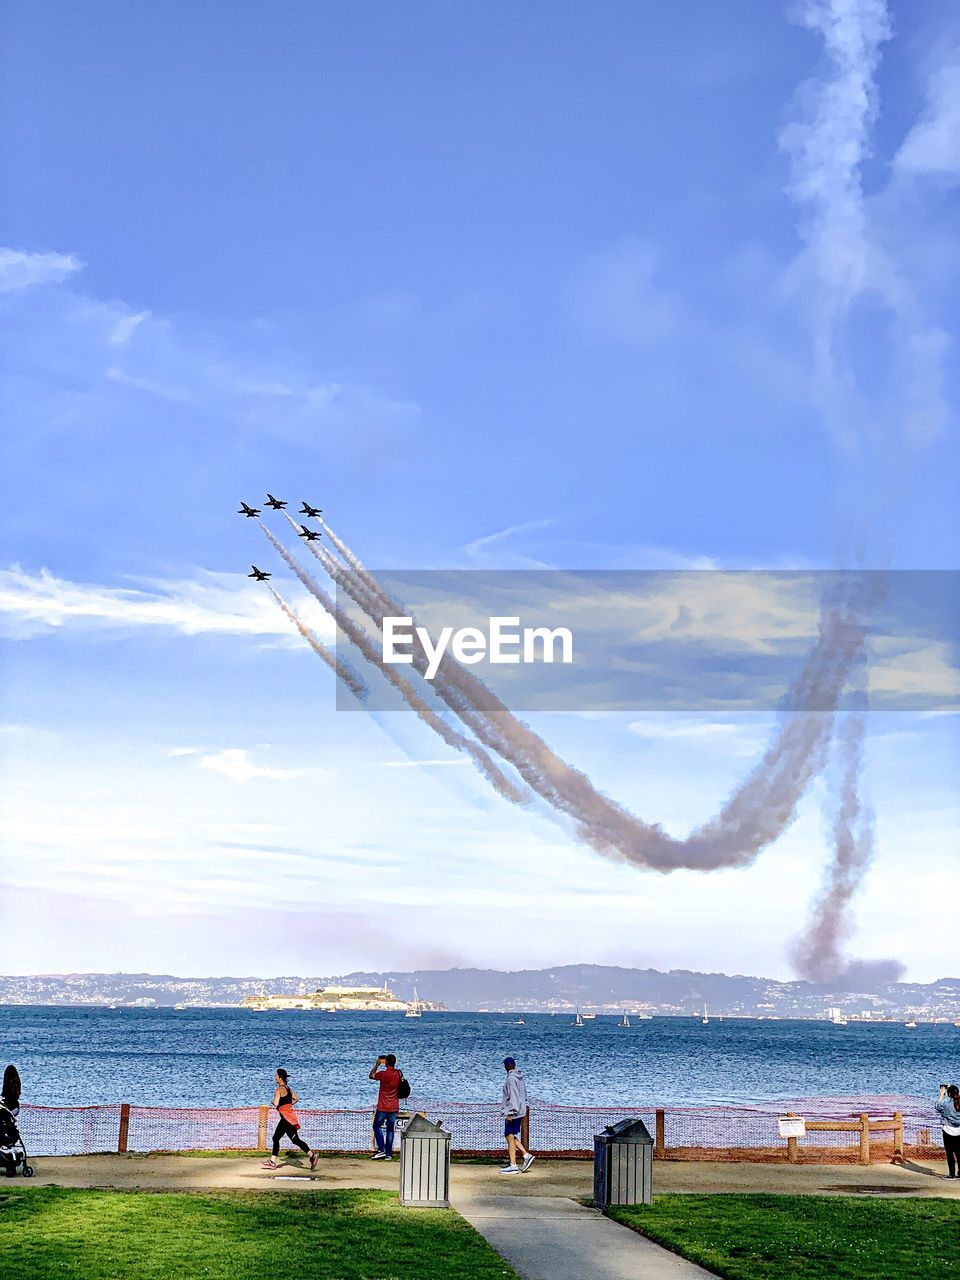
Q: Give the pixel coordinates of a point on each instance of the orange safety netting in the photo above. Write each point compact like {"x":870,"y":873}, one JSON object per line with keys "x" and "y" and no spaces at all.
{"x":475,"y":1127}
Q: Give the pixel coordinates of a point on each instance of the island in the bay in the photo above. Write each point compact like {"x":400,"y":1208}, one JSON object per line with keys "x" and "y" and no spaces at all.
{"x":336,"y":999}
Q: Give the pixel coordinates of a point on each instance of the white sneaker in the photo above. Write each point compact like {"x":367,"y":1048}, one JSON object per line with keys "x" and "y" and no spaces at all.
{"x":527,"y":1162}
{"x":511,"y":1168}
{"x":379,"y":1155}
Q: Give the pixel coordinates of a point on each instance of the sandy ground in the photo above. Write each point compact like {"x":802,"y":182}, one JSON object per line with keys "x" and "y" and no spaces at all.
{"x":568,"y":1178}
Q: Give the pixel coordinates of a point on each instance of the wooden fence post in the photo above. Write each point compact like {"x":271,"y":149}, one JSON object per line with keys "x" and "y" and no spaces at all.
{"x":864,"y":1138}
{"x":525,"y":1130}
{"x":898,"y":1135}
{"x":262,"y":1128}
{"x":793,"y":1154}
{"x":124,"y":1128}
{"x":660,"y":1141}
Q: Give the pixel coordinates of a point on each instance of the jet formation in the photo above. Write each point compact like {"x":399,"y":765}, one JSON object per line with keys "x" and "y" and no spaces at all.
{"x":278,"y":504}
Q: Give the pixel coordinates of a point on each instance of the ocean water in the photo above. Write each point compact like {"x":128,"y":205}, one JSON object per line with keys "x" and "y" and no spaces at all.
{"x":224,"y":1058}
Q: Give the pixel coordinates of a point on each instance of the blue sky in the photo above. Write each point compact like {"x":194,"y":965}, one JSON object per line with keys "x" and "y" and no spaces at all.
{"x":497,"y":286}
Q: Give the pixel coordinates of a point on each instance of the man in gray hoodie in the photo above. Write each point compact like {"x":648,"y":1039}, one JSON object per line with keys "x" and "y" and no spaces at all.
{"x":514,"y":1098}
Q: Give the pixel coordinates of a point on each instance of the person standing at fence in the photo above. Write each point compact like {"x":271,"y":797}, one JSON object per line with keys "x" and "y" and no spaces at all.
{"x":289,"y":1124}
{"x":948,"y":1109}
{"x":10,"y":1092}
{"x":384,"y":1073}
{"x":514,"y":1099}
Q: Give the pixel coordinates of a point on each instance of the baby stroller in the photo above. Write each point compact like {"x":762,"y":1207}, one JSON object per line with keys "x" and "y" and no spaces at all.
{"x":13,"y":1154}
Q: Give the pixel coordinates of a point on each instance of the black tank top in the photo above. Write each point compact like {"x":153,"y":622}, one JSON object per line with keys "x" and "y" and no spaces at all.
{"x":285,"y":1098}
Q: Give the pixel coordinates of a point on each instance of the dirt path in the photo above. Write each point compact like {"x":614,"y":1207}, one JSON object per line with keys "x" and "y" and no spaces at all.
{"x":568,"y":1178}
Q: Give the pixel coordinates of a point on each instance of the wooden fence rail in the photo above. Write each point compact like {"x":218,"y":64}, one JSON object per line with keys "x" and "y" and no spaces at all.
{"x":863,"y":1125}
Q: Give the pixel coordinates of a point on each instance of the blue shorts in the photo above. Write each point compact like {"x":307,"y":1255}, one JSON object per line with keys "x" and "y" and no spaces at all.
{"x":511,"y":1128}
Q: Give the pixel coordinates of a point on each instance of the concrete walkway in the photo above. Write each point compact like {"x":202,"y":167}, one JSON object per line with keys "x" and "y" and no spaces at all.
{"x":567,"y":1179}
{"x":551,"y":1238}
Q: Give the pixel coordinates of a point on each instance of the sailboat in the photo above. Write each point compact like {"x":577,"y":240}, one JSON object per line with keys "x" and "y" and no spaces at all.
{"x":578,"y":1021}
{"x":414,"y":1011}
{"x":520,"y":1022}
{"x":624,"y":1021}
{"x":704,"y":1020}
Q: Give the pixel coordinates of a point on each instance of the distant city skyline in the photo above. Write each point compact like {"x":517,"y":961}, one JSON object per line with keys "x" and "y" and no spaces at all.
{"x":566,"y":988}
{"x":509,"y":288}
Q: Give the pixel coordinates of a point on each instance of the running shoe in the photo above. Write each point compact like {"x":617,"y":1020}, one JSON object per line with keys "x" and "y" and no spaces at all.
{"x":314,"y":1157}
{"x":511,"y":1168}
{"x":379,"y":1155}
{"x":270,"y":1164}
{"x":527,"y":1162}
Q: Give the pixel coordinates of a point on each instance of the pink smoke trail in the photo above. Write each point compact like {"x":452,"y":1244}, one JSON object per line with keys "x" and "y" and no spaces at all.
{"x":504,"y":786}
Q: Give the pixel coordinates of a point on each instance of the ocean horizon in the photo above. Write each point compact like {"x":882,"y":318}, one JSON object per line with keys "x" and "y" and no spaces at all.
{"x":195,"y":1057}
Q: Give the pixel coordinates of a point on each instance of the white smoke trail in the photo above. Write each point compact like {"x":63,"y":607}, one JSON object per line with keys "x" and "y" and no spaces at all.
{"x":842,"y":263}
{"x":504,"y":786}
{"x":827,"y":151}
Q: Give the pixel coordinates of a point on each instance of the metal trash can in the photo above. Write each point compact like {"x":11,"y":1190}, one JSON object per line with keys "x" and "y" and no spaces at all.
{"x":424,"y":1165}
{"x":623,"y":1164}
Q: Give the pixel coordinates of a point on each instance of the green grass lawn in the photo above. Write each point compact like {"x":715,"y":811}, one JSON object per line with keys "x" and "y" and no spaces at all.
{"x":764,"y":1237}
{"x":323,"y":1235}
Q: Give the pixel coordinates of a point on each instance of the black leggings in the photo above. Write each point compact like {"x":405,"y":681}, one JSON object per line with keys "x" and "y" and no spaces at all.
{"x":951,"y":1144}
{"x":286,"y":1130}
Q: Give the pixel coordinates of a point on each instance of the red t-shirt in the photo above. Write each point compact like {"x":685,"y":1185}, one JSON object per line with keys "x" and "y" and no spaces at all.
{"x":389,"y":1078}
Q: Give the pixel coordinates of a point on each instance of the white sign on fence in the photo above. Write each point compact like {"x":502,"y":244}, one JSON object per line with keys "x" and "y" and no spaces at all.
{"x":792,"y":1126}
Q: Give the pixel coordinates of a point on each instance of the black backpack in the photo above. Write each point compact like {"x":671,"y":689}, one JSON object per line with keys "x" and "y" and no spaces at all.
{"x":403,"y":1088}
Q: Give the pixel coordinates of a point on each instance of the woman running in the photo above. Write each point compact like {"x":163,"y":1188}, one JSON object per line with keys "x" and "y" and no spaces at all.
{"x":283,"y":1100}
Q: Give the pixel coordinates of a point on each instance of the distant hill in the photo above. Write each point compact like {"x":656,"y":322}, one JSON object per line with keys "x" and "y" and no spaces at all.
{"x":598,"y":987}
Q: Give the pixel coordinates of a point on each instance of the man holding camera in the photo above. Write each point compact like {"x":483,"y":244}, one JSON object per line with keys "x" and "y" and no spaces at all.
{"x":385,"y":1073}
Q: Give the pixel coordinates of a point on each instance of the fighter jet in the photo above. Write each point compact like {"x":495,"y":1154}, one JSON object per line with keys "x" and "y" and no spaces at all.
{"x":275,"y":503}
{"x":258,"y":574}
{"x":248,"y":511}
{"x":311,"y":535}
{"x":313,"y":512}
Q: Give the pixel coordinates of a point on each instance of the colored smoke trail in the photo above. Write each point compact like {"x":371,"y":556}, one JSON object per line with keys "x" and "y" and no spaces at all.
{"x":818,"y":954}
{"x":361,"y":641}
{"x":754,"y":816}
{"x":343,"y":670}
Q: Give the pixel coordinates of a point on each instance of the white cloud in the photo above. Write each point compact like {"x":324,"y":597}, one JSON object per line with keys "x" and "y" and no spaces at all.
{"x":114,"y":352}
{"x":420,"y":764}
{"x":126,"y":327}
{"x":150,"y":386}
{"x":211,"y":603}
{"x":933,"y":144}
{"x":20,"y":269}
{"x":733,"y":739}
{"x":235,"y":763}
{"x":480,"y":545}
{"x":616,"y":298}
{"x":913,"y":667}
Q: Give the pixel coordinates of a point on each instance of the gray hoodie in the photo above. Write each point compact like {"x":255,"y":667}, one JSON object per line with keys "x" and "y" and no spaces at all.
{"x":514,"y":1094}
